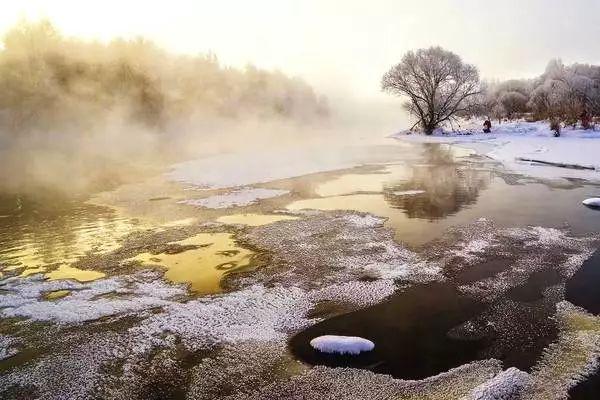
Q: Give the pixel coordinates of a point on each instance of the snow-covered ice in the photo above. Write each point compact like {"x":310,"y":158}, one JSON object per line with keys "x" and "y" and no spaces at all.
{"x":241,"y":169}
{"x":236,"y":198}
{"x":513,"y":143}
{"x":342,"y":344}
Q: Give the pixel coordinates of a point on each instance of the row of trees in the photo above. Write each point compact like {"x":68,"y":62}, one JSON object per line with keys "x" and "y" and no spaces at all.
{"x":49,"y":81}
{"x":441,"y":88}
{"x":561,"y":92}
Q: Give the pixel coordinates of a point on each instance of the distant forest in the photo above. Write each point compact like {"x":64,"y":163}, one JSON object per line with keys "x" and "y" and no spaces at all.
{"x":78,"y":116}
{"x":49,"y":81}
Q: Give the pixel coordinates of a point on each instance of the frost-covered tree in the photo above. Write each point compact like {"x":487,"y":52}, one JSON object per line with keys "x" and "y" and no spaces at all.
{"x":567,"y":94}
{"x":513,"y":103}
{"x":437,"y":83}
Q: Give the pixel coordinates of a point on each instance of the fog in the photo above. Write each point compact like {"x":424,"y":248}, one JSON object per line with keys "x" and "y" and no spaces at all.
{"x":79,"y":115}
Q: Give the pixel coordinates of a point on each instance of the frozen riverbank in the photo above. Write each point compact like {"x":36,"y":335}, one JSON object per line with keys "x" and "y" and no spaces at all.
{"x":529,"y":148}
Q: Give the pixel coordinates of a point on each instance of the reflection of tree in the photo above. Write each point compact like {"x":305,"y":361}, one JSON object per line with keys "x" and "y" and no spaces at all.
{"x":447,"y":186}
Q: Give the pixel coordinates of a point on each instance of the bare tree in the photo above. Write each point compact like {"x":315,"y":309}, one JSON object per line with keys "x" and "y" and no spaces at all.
{"x":437,"y":83}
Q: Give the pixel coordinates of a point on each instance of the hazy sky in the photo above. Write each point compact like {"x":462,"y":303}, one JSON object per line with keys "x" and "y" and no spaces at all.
{"x":341,"y":45}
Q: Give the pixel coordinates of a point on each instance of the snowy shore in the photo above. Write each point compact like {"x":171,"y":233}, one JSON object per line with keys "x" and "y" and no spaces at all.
{"x":529,"y":148}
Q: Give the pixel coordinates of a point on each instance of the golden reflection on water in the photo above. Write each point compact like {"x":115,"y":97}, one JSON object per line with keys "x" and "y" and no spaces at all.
{"x":32,"y":271}
{"x":254,"y":219}
{"x":56,"y":294}
{"x":46,"y":244}
{"x":67,"y":272}
{"x":203,"y":267}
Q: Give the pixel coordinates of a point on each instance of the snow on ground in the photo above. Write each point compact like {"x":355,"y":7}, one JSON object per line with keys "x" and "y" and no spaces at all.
{"x":508,"y":142}
{"x":236,"y":198}
{"x":342,"y":344}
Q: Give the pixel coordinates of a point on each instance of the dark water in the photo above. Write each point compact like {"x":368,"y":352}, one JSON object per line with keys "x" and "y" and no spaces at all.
{"x":409,"y":329}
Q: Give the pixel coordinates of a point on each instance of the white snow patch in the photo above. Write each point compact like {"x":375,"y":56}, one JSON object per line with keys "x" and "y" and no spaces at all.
{"x":236,"y":198}
{"x":342,"y":344}
{"x":592,"y":202}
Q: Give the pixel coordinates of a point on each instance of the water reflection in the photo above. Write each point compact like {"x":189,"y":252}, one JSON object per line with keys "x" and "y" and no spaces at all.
{"x":201,"y":260}
{"x":436,"y":191}
{"x":440,"y":185}
{"x":49,"y":234}
{"x":67,"y":272}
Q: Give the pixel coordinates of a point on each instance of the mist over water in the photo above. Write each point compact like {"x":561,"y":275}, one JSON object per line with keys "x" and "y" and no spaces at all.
{"x":79,"y":116}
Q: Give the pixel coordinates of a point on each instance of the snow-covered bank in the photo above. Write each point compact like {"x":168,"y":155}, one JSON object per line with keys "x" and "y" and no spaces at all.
{"x":529,"y":148}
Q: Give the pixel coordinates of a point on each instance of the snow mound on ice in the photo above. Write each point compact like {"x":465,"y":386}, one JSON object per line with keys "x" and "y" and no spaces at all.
{"x":592,"y":202}
{"x":342,"y":344}
{"x":236,"y":198}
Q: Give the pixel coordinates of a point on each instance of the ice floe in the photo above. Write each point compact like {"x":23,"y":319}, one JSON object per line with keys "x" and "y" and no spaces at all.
{"x":247,"y":168}
{"x":236,"y":198}
{"x":342,"y":344}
